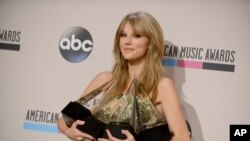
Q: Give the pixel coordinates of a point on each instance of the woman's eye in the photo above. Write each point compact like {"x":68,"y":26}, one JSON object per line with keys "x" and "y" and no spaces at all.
{"x":137,"y":35}
{"x":123,"y":35}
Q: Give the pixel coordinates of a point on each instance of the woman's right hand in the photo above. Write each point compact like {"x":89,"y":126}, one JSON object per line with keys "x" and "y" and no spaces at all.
{"x":74,"y":134}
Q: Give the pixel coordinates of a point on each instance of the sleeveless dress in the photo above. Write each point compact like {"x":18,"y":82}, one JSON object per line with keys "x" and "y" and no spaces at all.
{"x":132,"y":107}
{"x":123,"y":109}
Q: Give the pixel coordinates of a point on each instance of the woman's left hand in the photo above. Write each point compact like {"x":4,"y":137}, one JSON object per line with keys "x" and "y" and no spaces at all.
{"x":129,"y":136}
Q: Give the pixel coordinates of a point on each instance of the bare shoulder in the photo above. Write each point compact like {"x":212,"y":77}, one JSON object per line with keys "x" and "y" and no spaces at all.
{"x":104,"y":76}
{"x":166,"y":87}
{"x":98,"y":80}
{"x":165,"y":83}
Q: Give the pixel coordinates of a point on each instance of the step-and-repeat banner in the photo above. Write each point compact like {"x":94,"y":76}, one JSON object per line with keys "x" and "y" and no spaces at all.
{"x":50,"y":51}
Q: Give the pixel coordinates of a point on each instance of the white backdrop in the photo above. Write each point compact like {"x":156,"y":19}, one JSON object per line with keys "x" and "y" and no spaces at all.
{"x":36,"y":82}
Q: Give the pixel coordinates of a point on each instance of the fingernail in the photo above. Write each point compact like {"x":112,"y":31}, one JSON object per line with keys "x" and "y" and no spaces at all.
{"x":124,"y":131}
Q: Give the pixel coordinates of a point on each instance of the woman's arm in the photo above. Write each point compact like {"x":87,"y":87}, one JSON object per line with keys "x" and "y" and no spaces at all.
{"x":171,"y":107}
{"x":72,"y":132}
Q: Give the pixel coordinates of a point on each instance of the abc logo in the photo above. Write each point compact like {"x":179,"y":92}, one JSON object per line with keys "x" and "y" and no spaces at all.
{"x":76,"y":44}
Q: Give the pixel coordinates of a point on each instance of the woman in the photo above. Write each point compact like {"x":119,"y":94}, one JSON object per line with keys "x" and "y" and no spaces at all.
{"x":138,"y":53}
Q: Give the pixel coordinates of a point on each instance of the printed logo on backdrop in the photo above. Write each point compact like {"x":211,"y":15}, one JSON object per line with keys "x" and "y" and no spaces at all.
{"x":10,"y":39}
{"x":76,"y":44}
{"x":199,"y":58}
{"x":40,"y":120}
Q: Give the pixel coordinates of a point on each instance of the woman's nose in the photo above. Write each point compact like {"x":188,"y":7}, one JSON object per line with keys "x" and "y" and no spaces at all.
{"x":128,"y":40}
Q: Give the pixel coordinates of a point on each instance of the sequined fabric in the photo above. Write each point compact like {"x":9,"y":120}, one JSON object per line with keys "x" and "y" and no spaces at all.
{"x":131,"y":107}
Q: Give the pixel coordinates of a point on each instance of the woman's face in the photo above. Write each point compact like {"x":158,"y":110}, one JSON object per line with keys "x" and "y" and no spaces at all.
{"x":133,"y":46}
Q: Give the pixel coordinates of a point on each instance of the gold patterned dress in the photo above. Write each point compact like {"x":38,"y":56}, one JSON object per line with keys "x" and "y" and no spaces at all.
{"x":133,"y":107}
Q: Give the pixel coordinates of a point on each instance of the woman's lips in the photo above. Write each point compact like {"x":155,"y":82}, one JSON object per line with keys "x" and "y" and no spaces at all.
{"x":127,"y":50}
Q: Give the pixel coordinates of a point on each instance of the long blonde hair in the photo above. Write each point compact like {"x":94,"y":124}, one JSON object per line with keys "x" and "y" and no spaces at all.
{"x":146,"y":25}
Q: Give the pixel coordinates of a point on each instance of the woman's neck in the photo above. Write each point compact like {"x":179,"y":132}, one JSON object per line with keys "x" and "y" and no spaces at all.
{"x":135,"y":70}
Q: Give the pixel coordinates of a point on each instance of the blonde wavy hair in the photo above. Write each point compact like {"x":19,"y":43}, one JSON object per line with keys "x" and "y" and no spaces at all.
{"x":146,"y":25}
